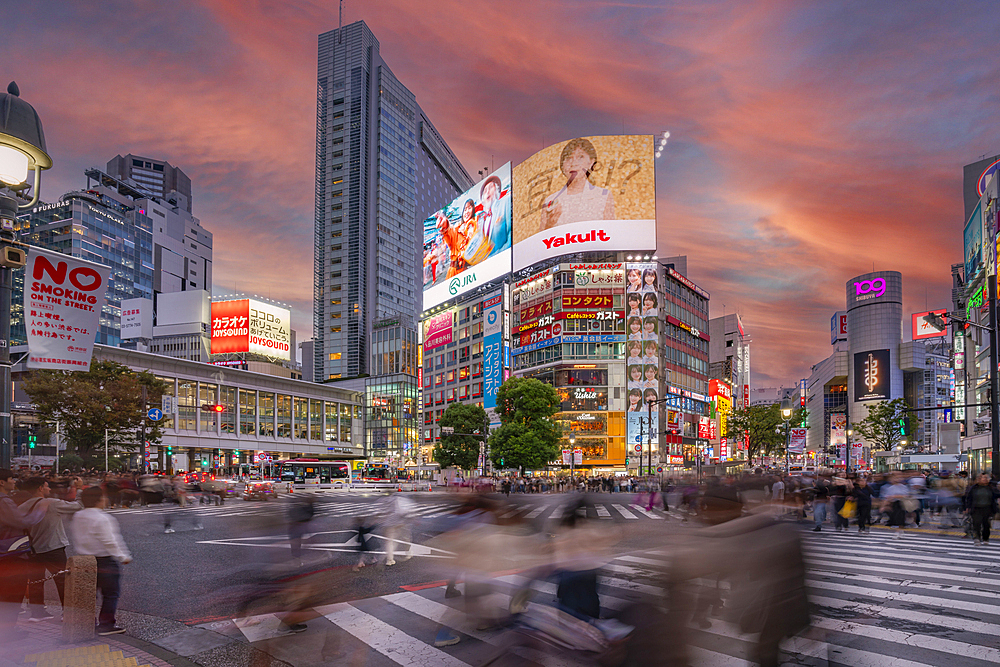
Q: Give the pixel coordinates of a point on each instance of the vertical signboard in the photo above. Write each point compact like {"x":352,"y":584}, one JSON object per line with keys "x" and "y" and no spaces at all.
{"x":136,"y":319}
{"x":492,"y":350}
{"x":797,"y":440}
{"x":838,"y":327}
{"x":973,"y":238}
{"x":63,"y":297}
{"x":838,"y":431}
{"x":642,"y":347}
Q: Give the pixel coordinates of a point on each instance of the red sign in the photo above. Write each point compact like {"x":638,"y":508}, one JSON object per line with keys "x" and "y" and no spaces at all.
{"x":539,"y":334}
{"x":746,"y":396}
{"x":921,"y":329}
{"x":590,"y":301}
{"x":704,"y":428}
{"x":231,"y":326}
{"x":532,"y":313}
{"x":720,"y":388}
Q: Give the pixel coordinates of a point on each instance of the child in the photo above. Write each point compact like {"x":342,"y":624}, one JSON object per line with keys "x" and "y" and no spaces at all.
{"x":95,"y":533}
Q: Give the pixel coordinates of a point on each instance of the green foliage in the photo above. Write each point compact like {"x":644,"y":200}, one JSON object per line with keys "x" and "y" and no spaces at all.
{"x":461,"y":451}
{"x":528,"y":437}
{"x":108,"y":396}
{"x":765,"y":426}
{"x":881,"y":428}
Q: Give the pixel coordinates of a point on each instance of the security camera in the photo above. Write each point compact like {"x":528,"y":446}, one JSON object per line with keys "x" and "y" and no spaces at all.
{"x":12,"y":257}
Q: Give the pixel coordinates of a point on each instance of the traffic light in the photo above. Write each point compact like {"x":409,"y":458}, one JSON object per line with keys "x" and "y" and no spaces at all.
{"x":170,"y":451}
{"x":902,"y":426}
{"x":214,"y":407}
{"x":626,"y":460}
{"x":32,"y":441}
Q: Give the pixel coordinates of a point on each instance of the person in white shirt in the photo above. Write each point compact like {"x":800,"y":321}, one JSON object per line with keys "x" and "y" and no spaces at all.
{"x":48,"y":543}
{"x":778,"y":490}
{"x":579,"y":200}
{"x":95,"y":533}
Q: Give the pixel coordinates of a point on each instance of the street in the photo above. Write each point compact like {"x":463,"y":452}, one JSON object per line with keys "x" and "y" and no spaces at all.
{"x":921,"y":599}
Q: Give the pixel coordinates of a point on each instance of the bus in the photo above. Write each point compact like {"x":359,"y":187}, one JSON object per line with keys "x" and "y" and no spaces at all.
{"x":312,"y":474}
{"x":378,"y":472}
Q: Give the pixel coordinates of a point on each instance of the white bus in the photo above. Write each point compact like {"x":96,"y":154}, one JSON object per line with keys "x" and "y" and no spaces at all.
{"x":315,"y":474}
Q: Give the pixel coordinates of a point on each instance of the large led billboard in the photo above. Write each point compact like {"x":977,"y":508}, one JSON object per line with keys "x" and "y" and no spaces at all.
{"x":872,"y":376}
{"x":468,"y":242}
{"x":247,"y":325}
{"x":973,"y":238}
{"x":585,"y":194}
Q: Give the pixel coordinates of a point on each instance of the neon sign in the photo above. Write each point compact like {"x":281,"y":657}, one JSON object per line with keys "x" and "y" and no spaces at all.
{"x":871,"y":288}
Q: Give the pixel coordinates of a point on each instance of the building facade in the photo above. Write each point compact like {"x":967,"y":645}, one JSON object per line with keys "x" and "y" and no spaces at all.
{"x":729,"y":356}
{"x":165,"y":182}
{"x":278,"y":416}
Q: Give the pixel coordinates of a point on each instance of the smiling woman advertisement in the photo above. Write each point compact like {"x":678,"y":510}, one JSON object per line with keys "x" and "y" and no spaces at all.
{"x":575,"y":196}
{"x":468,"y":242}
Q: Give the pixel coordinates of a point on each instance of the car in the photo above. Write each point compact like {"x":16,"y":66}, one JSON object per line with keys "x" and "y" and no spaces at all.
{"x":259,"y":491}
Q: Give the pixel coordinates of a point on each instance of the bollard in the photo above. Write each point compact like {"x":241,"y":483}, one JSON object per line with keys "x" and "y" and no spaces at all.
{"x":80,"y":600}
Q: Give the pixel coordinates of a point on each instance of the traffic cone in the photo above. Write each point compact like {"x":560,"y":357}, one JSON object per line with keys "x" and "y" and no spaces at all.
{"x":400,"y":488}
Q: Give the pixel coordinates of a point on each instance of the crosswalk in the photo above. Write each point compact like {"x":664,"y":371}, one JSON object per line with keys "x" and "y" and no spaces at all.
{"x":549,"y":511}
{"x":916,"y":601}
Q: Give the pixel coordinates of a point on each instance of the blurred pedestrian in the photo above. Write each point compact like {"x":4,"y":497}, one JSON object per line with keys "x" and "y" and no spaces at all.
{"x":862,"y":495}
{"x":981,"y":505}
{"x":95,"y":533}
{"x":14,"y":555}
{"x":301,"y":511}
{"x":48,"y":544}
{"x":894,"y":497}
{"x":821,"y":497}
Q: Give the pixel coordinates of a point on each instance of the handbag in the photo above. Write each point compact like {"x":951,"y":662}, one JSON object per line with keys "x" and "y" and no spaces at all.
{"x":911,"y":504}
{"x":847,"y":511}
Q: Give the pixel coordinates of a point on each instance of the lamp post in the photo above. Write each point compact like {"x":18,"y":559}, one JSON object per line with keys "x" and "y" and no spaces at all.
{"x":572,"y":453}
{"x":847,"y":451}
{"x":22,"y":149}
{"x":786,"y":414}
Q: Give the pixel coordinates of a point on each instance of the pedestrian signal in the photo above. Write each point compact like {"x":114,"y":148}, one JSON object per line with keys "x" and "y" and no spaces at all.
{"x":32,"y":441}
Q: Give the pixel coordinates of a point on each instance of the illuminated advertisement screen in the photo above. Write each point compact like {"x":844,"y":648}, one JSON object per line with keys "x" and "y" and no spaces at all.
{"x":872,"y":376}
{"x":438,"y":330}
{"x":576,"y":196}
{"x":468,"y":242}
{"x":247,"y":325}
{"x":973,"y":238}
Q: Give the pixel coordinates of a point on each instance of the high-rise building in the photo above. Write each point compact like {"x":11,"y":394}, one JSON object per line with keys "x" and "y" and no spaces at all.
{"x":182,"y":248}
{"x":381,"y":168}
{"x":167,"y":183}
{"x":153,"y":246}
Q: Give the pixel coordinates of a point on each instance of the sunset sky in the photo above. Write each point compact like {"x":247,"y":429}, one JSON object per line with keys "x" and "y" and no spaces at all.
{"x":809,"y":141}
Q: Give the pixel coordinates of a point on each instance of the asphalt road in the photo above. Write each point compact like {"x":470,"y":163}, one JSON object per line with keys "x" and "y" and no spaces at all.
{"x":195,"y":574}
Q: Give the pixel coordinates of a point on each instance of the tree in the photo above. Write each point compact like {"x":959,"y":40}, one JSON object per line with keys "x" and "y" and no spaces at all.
{"x":765,"y":426}
{"x":462,"y":451}
{"x":881,"y":428}
{"x":528,"y":436}
{"x":108,"y":396}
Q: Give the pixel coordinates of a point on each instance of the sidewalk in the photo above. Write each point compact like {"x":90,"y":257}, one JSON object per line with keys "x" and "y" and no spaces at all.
{"x":149,"y":640}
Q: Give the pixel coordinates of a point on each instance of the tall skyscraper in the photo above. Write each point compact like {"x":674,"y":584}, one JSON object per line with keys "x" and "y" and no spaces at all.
{"x":381,"y":168}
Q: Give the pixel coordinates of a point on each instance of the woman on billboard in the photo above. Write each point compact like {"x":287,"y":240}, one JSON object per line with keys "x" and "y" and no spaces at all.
{"x":579,"y":200}
{"x":635,"y":400}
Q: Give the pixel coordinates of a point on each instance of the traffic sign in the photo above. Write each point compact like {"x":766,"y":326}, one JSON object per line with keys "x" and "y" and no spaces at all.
{"x":638,"y":448}
{"x":154,"y":414}
{"x":659,"y":469}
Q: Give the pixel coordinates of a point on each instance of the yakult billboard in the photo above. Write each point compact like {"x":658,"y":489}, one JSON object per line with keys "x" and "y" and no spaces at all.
{"x":586,"y":194}
{"x":247,"y":325}
{"x":63,"y":297}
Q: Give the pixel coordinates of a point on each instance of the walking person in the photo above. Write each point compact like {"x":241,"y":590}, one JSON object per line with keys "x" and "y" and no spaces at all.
{"x":862,"y":495}
{"x":48,"y":544}
{"x":821,"y":497}
{"x":894,"y":497}
{"x":95,"y":533}
{"x":839,"y":492}
{"x":981,"y":505}
{"x":14,"y":554}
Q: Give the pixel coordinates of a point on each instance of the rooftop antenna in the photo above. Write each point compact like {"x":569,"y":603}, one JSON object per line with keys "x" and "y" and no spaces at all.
{"x":340,"y":24}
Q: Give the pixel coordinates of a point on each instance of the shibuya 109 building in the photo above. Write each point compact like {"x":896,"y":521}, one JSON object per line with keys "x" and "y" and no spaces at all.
{"x":548,"y":270}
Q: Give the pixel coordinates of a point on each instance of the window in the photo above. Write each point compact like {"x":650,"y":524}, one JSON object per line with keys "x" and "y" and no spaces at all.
{"x":284,"y":416}
{"x":331,"y":421}
{"x":301,"y":408}
{"x":248,"y":412}
{"x":186,"y":405}
{"x":267,"y":414}
{"x":335,"y":355}
{"x":335,"y":329}
{"x":207,"y":418}
{"x":315,"y":419}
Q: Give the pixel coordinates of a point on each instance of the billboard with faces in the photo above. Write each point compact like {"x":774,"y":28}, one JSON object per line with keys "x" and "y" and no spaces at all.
{"x":583,"y":195}
{"x":643,"y":300}
{"x":468,"y":242}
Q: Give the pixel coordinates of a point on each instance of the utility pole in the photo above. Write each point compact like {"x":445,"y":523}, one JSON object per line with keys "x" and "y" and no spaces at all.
{"x":142,"y":444}
{"x":994,"y":378}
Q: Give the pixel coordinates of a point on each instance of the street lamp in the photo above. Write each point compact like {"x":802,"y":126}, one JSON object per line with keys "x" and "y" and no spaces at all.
{"x":572,"y":453}
{"x":22,"y":149}
{"x":786,"y":414}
